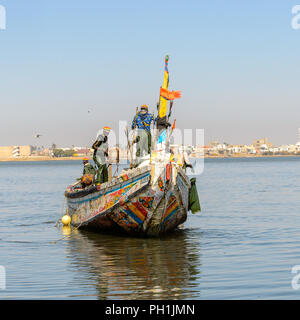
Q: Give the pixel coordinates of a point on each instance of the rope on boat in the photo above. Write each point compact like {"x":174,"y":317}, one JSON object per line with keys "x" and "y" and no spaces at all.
{"x":59,"y":221}
{"x":62,"y":212}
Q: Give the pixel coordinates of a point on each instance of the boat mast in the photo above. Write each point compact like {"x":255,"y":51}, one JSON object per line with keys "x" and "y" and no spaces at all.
{"x":163,"y":102}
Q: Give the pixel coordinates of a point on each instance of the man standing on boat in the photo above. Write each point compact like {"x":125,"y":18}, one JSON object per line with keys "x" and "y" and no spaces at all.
{"x":142,"y":121}
{"x":100,"y":147}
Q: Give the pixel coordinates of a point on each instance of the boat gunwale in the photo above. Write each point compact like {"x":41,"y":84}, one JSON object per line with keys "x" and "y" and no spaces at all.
{"x":75,"y":194}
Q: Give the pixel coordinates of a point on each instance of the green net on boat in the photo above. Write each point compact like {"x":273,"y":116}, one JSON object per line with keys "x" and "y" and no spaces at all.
{"x":194,"y":203}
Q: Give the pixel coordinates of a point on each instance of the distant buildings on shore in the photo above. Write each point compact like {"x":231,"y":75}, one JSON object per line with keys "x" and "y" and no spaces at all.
{"x":259,"y":147}
{"x":15,"y":151}
{"x":20,"y":152}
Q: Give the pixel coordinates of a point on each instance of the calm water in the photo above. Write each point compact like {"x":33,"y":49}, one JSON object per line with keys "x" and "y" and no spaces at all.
{"x":242,"y":245}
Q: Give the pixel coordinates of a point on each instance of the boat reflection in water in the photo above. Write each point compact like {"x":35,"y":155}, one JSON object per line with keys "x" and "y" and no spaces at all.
{"x":136,"y":268}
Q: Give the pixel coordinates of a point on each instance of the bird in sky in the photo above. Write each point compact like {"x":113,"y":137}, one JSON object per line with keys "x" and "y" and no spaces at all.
{"x":37,"y":135}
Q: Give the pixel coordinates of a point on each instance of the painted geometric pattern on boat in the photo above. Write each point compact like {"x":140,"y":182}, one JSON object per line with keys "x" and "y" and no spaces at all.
{"x":121,"y":218}
{"x":94,"y":207}
{"x":135,"y":211}
{"x":147,"y":202}
{"x":172,"y":208}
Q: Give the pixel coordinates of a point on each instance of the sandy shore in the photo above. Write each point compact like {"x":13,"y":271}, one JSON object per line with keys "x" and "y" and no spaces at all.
{"x":43,"y":158}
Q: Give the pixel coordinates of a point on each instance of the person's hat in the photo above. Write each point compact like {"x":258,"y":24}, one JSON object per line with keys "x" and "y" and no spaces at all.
{"x":144,"y":107}
{"x":106,"y":130}
{"x":85,"y":159}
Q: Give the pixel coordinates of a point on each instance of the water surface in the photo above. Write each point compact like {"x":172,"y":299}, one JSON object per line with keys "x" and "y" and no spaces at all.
{"x":242,"y":245}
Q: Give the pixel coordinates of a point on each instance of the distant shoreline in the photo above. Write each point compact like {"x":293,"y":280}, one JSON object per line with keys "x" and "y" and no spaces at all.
{"x":38,"y":159}
{"x":43,"y":158}
{"x":252,"y":156}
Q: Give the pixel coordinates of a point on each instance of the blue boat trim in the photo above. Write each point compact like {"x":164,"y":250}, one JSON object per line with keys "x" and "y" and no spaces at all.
{"x":133,"y":216}
{"x":113,"y":190}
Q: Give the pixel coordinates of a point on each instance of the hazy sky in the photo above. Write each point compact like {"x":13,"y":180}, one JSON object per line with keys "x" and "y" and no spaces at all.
{"x":236,"y":62}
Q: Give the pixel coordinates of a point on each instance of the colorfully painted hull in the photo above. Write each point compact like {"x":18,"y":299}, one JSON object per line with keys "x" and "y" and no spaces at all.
{"x":135,"y":205}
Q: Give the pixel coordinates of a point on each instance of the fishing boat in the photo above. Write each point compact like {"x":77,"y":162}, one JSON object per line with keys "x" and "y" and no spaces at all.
{"x":150,"y":199}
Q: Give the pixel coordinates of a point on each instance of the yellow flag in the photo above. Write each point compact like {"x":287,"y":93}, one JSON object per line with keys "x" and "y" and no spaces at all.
{"x":163,"y":103}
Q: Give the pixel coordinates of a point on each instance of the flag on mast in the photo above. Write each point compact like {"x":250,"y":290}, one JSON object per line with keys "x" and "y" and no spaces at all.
{"x":165,"y":94}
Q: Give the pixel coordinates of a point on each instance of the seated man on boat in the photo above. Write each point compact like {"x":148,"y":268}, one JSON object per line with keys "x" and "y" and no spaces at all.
{"x":142,"y":121}
{"x":87,"y":167}
{"x":100,"y":147}
{"x":88,"y":174}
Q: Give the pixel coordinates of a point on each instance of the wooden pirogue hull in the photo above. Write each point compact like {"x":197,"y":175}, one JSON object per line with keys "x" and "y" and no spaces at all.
{"x":139,"y":202}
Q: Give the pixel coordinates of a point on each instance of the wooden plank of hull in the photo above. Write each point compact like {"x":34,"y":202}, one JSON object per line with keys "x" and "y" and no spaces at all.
{"x":169,"y":214}
{"x":175,"y":213}
{"x":134,"y":215}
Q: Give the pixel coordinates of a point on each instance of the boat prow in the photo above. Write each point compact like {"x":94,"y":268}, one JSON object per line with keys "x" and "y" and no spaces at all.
{"x":149,"y":200}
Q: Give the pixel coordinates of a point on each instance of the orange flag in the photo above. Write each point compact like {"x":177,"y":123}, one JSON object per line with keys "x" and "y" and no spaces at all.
{"x":170,"y":95}
{"x":173,"y":126}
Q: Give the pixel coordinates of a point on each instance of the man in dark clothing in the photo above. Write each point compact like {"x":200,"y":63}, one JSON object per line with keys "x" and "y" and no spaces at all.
{"x":100,"y":147}
{"x":162,"y":123}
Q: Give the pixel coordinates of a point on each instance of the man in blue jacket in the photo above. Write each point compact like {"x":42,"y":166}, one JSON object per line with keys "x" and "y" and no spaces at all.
{"x":142,"y":121}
